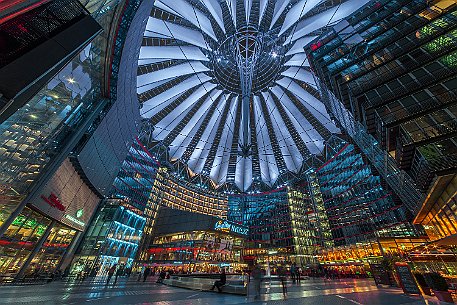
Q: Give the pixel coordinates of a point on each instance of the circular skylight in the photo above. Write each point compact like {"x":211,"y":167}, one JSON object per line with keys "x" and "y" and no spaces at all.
{"x":228,"y":89}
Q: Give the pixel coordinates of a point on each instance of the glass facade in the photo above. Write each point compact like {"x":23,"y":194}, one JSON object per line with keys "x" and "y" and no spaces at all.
{"x":388,"y":76}
{"x":112,"y":238}
{"x":438,"y":214}
{"x":357,"y":205}
{"x":268,"y":216}
{"x":194,"y":242}
{"x":117,"y":231}
{"x":20,"y":239}
{"x":35,"y":140}
{"x":32,"y":136}
{"x":310,"y":224}
{"x":198,"y":250}
{"x":54,"y":249}
{"x":174,"y":192}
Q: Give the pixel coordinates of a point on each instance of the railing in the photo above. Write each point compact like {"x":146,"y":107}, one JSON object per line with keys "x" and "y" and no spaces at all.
{"x":398,"y":180}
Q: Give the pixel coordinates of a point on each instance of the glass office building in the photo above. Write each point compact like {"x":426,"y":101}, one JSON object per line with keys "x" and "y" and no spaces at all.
{"x":388,"y":76}
{"x":358,"y":206}
{"x":116,"y":232}
{"x":45,"y":199}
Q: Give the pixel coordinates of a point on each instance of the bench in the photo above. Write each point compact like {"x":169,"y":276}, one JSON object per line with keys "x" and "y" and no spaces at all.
{"x":233,"y":286}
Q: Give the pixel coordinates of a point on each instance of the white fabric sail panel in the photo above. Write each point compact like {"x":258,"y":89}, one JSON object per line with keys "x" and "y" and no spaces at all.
{"x":151,"y":106}
{"x":243,"y":170}
{"x":297,"y":12}
{"x":280,"y":6}
{"x":298,"y":60}
{"x":172,"y":30}
{"x":300,"y":74}
{"x":172,"y":52}
{"x":288,"y":148}
{"x":220,"y":164}
{"x":262,"y":9}
{"x":315,"y":107}
{"x":179,"y":145}
{"x":306,"y":130}
{"x":231,"y":4}
{"x":152,"y":86}
{"x":171,"y":72}
{"x":239,"y":169}
{"x":146,"y":61}
{"x":299,"y":44}
{"x":261,"y":144}
{"x":165,"y":126}
{"x":243,"y":173}
{"x":215,"y":10}
{"x":247,"y":9}
{"x":239,"y":174}
{"x":195,"y":16}
{"x":248,"y":178}
{"x":201,"y":151}
{"x":152,"y":34}
{"x":268,"y":168}
{"x":327,"y":17}
{"x":189,"y":102}
{"x":165,"y":7}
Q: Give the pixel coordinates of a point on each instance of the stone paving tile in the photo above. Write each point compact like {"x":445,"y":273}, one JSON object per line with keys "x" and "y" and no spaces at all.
{"x":131,"y":292}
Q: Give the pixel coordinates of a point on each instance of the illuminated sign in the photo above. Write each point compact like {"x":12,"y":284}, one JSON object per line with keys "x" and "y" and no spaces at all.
{"x":226,"y":226}
{"x":79,"y":213}
{"x":77,"y":221}
{"x":29,"y":223}
{"x":53,"y":201}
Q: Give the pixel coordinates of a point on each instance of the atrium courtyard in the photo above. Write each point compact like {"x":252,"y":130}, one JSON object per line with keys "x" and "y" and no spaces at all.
{"x":228,"y":152}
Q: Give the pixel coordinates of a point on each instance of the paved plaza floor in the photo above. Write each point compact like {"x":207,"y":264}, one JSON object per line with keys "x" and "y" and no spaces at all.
{"x":129,"y":291}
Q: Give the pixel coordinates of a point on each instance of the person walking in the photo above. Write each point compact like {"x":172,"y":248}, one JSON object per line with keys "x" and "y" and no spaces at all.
{"x":111,"y":273}
{"x":140,"y":274}
{"x":256,"y":277}
{"x":292,"y":272}
{"x":119,"y":272}
{"x":298,"y":273}
{"x":221,"y":282}
{"x":146,"y":273}
{"x":282,"y":273}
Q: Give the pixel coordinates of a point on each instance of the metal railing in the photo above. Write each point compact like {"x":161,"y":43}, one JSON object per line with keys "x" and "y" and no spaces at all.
{"x":400,"y":182}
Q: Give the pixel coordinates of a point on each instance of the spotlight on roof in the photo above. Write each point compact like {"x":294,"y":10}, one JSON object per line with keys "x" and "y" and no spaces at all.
{"x":274,"y":54}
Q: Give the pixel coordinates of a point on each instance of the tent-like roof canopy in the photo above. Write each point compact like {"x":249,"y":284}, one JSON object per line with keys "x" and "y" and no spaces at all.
{"x":190,"y":85}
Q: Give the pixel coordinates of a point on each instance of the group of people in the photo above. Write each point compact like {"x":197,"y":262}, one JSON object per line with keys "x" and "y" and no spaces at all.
{"x":148,"y":271}
{"x":117,"y":271}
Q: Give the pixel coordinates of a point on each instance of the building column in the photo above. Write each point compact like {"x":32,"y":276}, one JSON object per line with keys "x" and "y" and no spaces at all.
{"x":66,"y":257}
{"x":35,"y":250}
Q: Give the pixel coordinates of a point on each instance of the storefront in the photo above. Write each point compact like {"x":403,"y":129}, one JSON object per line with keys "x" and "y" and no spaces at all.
{"x":41,"y":237}
{"x":112,"y":238}
{"x":192,"y":242}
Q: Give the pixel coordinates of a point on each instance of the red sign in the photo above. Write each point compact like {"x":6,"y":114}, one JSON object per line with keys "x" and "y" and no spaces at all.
{"x":53,"y":201}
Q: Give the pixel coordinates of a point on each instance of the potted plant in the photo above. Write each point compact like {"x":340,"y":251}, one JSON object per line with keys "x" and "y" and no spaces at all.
{"x":422,"y":283}
{"x":439,"y":286}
